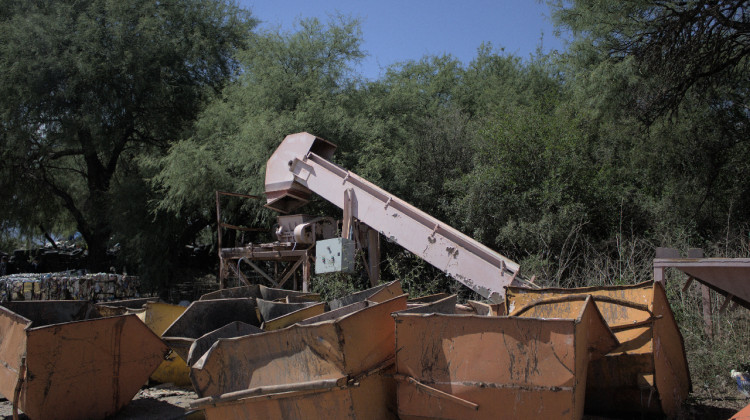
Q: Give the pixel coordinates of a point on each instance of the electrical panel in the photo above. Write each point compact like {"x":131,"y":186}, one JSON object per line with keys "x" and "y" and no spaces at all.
{"x":334,"y":255}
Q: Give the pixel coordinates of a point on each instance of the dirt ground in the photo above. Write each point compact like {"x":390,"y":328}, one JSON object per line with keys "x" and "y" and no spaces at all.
{"x":160,"y":402}
{"x":165,"y":402}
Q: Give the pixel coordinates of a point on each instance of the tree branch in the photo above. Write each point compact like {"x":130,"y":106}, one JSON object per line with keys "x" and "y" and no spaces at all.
{"x":62,"y":153}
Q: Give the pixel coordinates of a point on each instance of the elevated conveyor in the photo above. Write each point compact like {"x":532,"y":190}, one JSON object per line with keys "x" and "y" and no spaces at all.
{"x":301,"y":165}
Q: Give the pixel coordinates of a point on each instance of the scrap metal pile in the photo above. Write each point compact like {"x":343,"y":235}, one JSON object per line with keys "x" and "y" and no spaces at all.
{"x":68,"y":285}
{"x":255,"y":353}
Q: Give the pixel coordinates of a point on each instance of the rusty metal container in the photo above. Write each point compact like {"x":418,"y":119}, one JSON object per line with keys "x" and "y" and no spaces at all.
{"x":204,"y":316}
{"x":268,"y":309}
{"x":456,"y":366}
{"x":648,"y":371}
{"x":61,"y":360}
{"x":320,"y":348}
{"x":158,"y":316}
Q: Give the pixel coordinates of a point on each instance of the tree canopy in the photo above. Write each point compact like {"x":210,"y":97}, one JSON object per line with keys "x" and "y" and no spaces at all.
{"x":87,"y":87}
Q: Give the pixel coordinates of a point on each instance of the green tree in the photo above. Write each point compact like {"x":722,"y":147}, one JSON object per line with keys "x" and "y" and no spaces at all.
{"x":290,"y":82}
{"x":88,"y":85}
{"x":677,"y":45}
{"x":662,"y":87}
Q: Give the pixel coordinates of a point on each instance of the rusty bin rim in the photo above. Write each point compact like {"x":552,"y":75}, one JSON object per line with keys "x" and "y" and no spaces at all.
{"x":406,"y":313}
{"x":585,"y":298}
{"x":583,"y":290}
{"x":597,"y":298}
{"x":16,"y":316}
{"x":467,"y":316}
{"x":32,"y":328}
{"x":312,"y":305}
{"x":30,"y":324}
{"x":607,"y":299}
{"x":334,"y":320}
{"x":200,"y":302}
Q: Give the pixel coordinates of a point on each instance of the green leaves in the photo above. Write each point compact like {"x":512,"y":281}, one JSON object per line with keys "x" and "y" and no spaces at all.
{"x":87,"y":84}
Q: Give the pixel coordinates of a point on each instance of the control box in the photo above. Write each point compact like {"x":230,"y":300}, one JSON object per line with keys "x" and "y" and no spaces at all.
{"x":334,"y":255}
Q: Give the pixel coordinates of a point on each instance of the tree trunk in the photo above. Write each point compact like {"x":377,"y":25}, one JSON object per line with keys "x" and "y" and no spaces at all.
{"x":97,"y":261}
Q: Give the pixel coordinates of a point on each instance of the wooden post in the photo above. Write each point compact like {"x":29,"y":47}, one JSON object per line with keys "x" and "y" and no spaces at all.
{"x":709,"y":328}
{"x":663,"y":253}
{"x":373,"y":256}
{"x":306,"y":272}
{"x":222,"y":269}
{"x":346,"y":224}
{"x":705,"y":297}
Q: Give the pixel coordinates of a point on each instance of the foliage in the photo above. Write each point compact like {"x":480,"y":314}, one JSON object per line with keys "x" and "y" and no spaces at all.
{"x":289,"y":83}
{"x":86,"y":85}
{"x":679,"y":45}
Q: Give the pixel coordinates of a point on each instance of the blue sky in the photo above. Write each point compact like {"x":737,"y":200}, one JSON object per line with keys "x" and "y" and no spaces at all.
{"x":400,"y":30}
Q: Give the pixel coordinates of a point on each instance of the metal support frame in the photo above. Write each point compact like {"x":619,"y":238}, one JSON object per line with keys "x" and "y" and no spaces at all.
{"x":230,"y":259}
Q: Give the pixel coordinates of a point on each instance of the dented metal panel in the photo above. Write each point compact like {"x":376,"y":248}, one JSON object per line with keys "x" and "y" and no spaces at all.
{"x":328,"y":349}
{"x":651,"y":349}
{"x":12,"y":350}
{"x":89,"y":367}
{"x":487,"y":367}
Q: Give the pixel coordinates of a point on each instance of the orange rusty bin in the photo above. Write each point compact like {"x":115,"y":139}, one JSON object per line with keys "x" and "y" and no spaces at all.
{"x":157,"y":316}
{"x":648,"y":372}
{"x":62,"y":360}
{"x":318,"y":348}
{"x":340,"y":356}
{"x":461,"y":366}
